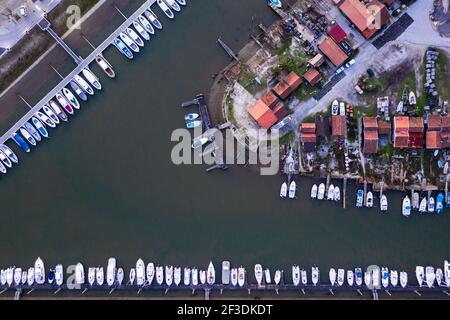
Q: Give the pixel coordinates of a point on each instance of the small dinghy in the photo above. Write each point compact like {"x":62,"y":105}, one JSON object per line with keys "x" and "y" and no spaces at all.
{"x":193,"y":124}
{"x":335,"y":108}
{"x":146,"y":24}
{"x":93,"y":80}
{"x":121,"y":46}
{"x":141,"y":30}
{"x":153,"y":18}
{"x":431,"y":204}
{"x":292,"y":190}
{"x":314,"y":190}
{"x":83,"y":84}
{"x":337,"y":194}
{"x":45,"y":120}
{"x":330,"y":193}
{"x":321,"y":191}
{"x":283,"y":190}
{"x":106,"y":67}
{"x":383,"y":203}
{"x":165,"y":8}
{"x":406,"y":207}
{"x":71,"y":98}
{"x":76,"y":87}
{"x":369,"y":200}
{"x":58,"y":111}
{"x":42,"y":131}
{"x":50,"y":113}
{"x":135,"y":37}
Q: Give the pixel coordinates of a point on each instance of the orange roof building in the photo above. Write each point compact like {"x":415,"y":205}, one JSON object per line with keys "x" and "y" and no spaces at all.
{"x":370,"y":143}
{"x":308,"y":136}
{"x":312,"y":76}
{"x":262,"y":114}
{"x":415,"y":132}
{"x":401,"y":132}
{"x":287,"y":85}
{"x":434,"y":122}
{"x":434,"y":140}
{"x":280,"y":111}
{"x":333,"y":52}
{"x":384,"y":127}
{"x":270,"y":99}
{"x":338,"y":127}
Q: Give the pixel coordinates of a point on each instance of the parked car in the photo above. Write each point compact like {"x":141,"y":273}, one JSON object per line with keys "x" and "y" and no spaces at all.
{"x":350,"y":63}
{"x":341,"y":69}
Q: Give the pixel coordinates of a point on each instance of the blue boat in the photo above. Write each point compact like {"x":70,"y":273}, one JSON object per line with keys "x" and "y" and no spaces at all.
{"x":121,"y":46}
{"x":359,"y":198}
{"x":39,"y":126}
{"x":51,"y":276}
{"x":193,"y":124}
{"x":276,"y":3}
{"x":21,"y":142}
{"x":440,"y":202}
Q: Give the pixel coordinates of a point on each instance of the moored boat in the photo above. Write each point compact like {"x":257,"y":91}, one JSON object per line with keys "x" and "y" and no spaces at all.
{"x":367,"y":278}
{"x":439,"y":202}
{"x":342,"y":109}
{"x":64,"y":103}
{"x":182,"y":2}
{"x":177,"y":276}
{"x":141,"y":30}
{"x":105,"y":66}
{"x":439,"y":276}
{"x":292,"y":190}
{"x":120,"y":276}
{"x":337,"y":194}
{"x":20,"y":142}
{"x":173,"y":4}
{"x":412,"y":98}
{"x":283,"y":190}
{"x":159,"y":275}
{"x":2,"y":277}
{"x":2,"y":168}
{"x":277,"y":277}
{"x":234,"y":276}
{"x":169,"y":275}
{"x":420,"y":275}
{"x":150,"y":272}
{"x":415,"y":200}
{"x":5,"y":160}
{"x":376,"y":278}
{"x":314,"y":190}
{"x":129,"y":42}
{"x":187,"y":276}
{"x":430,"y":276}
{"x":100,"y":276}
{"x":335,"y":108}
{"x":403,"y":279}
{"x":241,"y":276}
{"x":27,"y":136}
{"x":431,"y":204}
{"x":30,"y":276}
{"x":91,"y":276}
{"x":194,"y":276}
{"x":406,"y":207}
{"x":58,"y":111}
{"x":132,"y":275}
{"x":191,"y":116}
{"x":32,"y":130}
{"x":83,"y":85}
{"x":140,"y":272}
{"x":385,"y":277}
{"x":359,"y":198}
{"x":315,"y":275}
{"x":211,"y":274}
{"x":146,"y":24}
{"x":275,"y":3}
{"x":17,"y":276}
{"x":202,"y":276}
{"x":332,"y":276}
{"x":358,"y":276}
{"x":330,"y":193}
{"x":50,"y":113}
{"x":394,"y":278}
{"x":296,"y":275}
{"x":383,"y":203}
{"x":121,"y":46}
{"x":76,"y":87}
{"x":71,"y":98}
{"x":304,"y":277}
{"x":340,"y":277}
{"x":153,"y":18}
{"x":423,"y":205}
{"x":42,"y":131}
{"x":23,"y":280}
{"x":258,"y":273}
{"x":225,"y":272}
{"x":350,"y":277}
{"x":9,"y":153}
{"x":111,"y":271}
{"x":45,"y":120}
{"x":135,"y":37}
{"x":198,"y":142}
{"x":321,"y":192}
{"x":165,"y":8}
{"x":369,"y":200}
{"x":92,"y":78}
{"x":79,"y":274}
{"x":193,"y":124}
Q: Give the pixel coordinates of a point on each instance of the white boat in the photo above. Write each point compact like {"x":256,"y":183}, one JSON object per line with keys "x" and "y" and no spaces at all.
{"x":430,"y":276}
{"x":30,"y":276}
{"x":394,"y":278}
{"x":58,"y":111}
{"x":304,"y":277}
{"x":177,"y":276}
{"x":321,"y":192}
{"x":135,"y":37}
{"x":45,"y":120}
{"x":267,"y":277}
{"x":350,"y":277}
{"x":198,"y":142}
{"x":337,"y":194}
{"x":132,"y":275}
{"x":403,"y":279}
{"x":23,"y":279}
{"x":51,"y":114}
{"x":367,"y":278}
{"x":241,"y":276}
{"x":340,"y":277}
{"x":369,"y":200}
{"x":146,"y":24}
{"x":169,"y":275}
{"x":5,"y":159}
{"x":332,"y":275}
{"x":120,"y":276}
{"x":17,"y":276}
{"x":385,"y":277}
{"x":93,"y":80}
{"x":111,"y":271}
{"x":296,"y":275}
{"x":342,"y":108}
{"x":105,"y":66}
{"x":358,"y":276}
{"x":400,"y":107}
{"x":83,"y":84}
{"x":10,"y":276}
{"x":91,"y":276}
{"x":211,"y":274}
{"x":9,"y":153}
{"x":78,"y":90}
{"x":335,"y":108}
{"x":71,"y":98}
{"x":141,"y":30}
{"x":165,"y":8}
{"x":431,"y":204}
{"x":100,"y":276}
{"x":39,"y":271}
{"x":415,"y":200}
{"x":283,"y":190}
{"x":194,"y":276}
{"x":376,"y":278}
{"x":59,"y":275}
{"x":159,"y":275}
{"x":292,"y":190}
{"x":182,"y":2}
{"x":187,"y":276}
{"x":225,"y":272}
{"x":439,"y":276}
{"x":28,"y":137}
{"x":173,"y":4}
{"x":79,"y":274}
{"x":383,"y":203}
{"x":277,"y":277}
{"x":314,"y":190}
{"x":202,"y":275}
{"x":315,"y":275}
{"x":234,"y":276}
{"x":423,"y":205}
{"x":129,"y":42}
{"x":412,"y":98}
{"x":153,"y":18}
{"x":330,"y":193}
{"x":150,"y":272}
{"x":140,"y":272}
{"x":420,"y":275}
{"x":258,"y":273}
{"x":2,"y":277}
{"x":406,"y":207}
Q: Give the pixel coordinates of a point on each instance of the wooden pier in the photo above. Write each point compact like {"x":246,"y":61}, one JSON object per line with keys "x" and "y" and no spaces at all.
{"x":228,"y":50}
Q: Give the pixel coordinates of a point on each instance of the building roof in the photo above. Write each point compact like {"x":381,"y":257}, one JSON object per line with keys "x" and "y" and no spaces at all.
{"x":415,"y":140}
{"x":282,"y":90}
{"x":445,"y":139}
{"x":339,"y":126}
{"x":333,"y":51}
{"x":401,"y":123}
{"x":262,"y":114}
{"x":337,"y":33}
{"x":384,"y":127}
{"x":434,"y":140}
{"x":280,"y":111}
{"x":312,"y":76}
{"x":446,"y":123}
{"x":416,"y":124}
{"x":308,"y":137}
{"x":293,"y":80}
{"x":370,"y":144}
{"x":370,"y":123}
{"x":308,"y":127}
{"x":317,"y":60}
{"x":401,"y":140}
{"x":434,"y":122}
{"x":269,"y":99}
{"x":380,"y":12}
{"x":323,"y":125}
{"x":357,"y":13}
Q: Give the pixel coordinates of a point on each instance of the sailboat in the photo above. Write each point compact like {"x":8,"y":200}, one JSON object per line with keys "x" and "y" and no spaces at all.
{"x":383,"y":203}
{"x":314,"y":190}
{"x":423,"y":205}
{"x":292,"y":189}
{"x":296,"y":275}
{"x":330,"y":193}
{"x":406,"y":207}
{"x":321,"y":192}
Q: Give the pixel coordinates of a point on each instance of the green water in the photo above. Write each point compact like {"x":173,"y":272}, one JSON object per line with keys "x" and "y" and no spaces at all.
{"x":104,"y":184}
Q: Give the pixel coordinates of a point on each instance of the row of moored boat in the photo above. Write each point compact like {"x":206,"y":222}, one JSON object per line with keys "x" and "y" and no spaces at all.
{"x":427,"y":204}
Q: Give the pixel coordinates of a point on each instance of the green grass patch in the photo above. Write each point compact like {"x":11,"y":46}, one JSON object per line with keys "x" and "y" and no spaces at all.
{"x":230,"y":110}
{"x":248,"y":81}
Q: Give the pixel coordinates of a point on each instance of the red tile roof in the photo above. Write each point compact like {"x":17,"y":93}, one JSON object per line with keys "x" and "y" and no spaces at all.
{"x":446,"y":123}
{"x":280,"y":111}
{"x":434,"y":122}
{"x":370,"y":144}
{"x":269,"y":99}
{"x":384,"y":127}
{"x":445,"y":139}
{"x":434,"y":140}
{"x":308,"y":127}
{"x":339,"y":126}
{"x":401,"y":132}
{"x":262,"y":114}
{"x":415,"y":125}
{"x":337,"y":33}
{"x":293,"y":80}
{"x":312,"y":76}
{"x":287,"y":85}
{"x":333,"y":51}
{"x":370,"y":123}
{"x":415,"y":140}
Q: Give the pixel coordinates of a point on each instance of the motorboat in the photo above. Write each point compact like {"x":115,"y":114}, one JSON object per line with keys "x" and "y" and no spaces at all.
{"x":153,"y":18}
{"x":2,"y":168}
{"x":129,"y":42}
{"x":83,"y":84}
{"x":193,"y":124}
{"x":277,"y":277}
{"x":406,"y":207}
{"x":340,"y":277}
{"x":91,"y":276}
{"x":27,"y":136}
{"x":79,"y":274}
{"x":120,"y":276}
{"x":141,"y":30}
{"x":439,"y":276}
{"x":420,"y":275}
{"x":337,"y":194}
{"x":93,"y":80}
{"x":9,"y":153}
{"x":211,"y":274}
{"x":431,"y":204}
{"x":314,"y":190}
{"x":10,"y":276}
{"x":191,"y":116}
{"x":225,"y":272}
{"x":315,"y":275}
{"x":385,"y":277}
{"x":412,"y":98}
{"x":369,"y":200}
{"x":234,"y":276}
{"x":350,"y":277}
{"x":335,"y":108}
{"x":135,"y":37}
{"x":177,"y":276}
{"x":132,"y":276}
{"x":140,"y":272}
{"x":368,"y":279}
{"x":342,"y":109}
{"x":415,"y":200}
{"x":376,"y":278}
{"x":58,"y":111}
{"x":32,"y":130}
{"x":111,"y":271}
{"x":202,"y":276}
{"x":283,"y":190}
{"x":150,"y":272}
{"x":51,"y":114}
{"x":169,"y":275}
{"x":105,"y":66}
{"x":100,"y":276}
{"x":23,"y":279}
{"x":187,"y":276}
{"x":403,"y":279}
{"x":304,"y":277}
{"x":383,"y":203}
{"x":275,"y":3}
{"x":182,"y":2}
{"x":332,"y":275}
{"x":400,"y":107}
{"x":159,"y":275}
{"x":80,"y":93}
{"x":359,"y":198}
{"x":5,"y":160}
{"x":2,"y":277}
{"x":30,"y":276}
{"x":45,"y":120}
{"x":194,"y":276}
{"x":173,"y":4}
{"x":17,"y":276}
{"x":394,"y":278}
{"x":430,"y":276}
{"x":439,"y":202}
{"x":321,"y":191}
{"x":42,"y":131}
{"x":330,"y":193}
{"x":122,"y":47}
{"x":165,"y":8}
{"x":423,"y":205}
{"x":258,"y":274}
{"x":71,"y":98}
{"x":358,"y":276}
{"x":198,"y":142}
{"x":241,"y":276}
{"x":296,"y":275}
{"x":146,"y":24}
{"x":64,"y":103}
{"x":20,"y":142}
{"x":292,"y":190}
